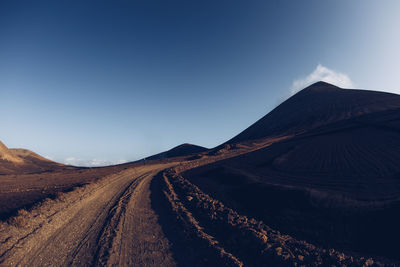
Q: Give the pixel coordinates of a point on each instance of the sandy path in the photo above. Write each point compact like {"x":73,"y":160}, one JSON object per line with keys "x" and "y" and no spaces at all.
{"x":139,"y":240}
{"x":112,"y":224}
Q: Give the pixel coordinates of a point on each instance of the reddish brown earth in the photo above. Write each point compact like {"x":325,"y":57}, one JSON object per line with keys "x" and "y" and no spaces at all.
{"x":23,"y":161}
{"x":25,"y":190}
{"x":313,"y":183}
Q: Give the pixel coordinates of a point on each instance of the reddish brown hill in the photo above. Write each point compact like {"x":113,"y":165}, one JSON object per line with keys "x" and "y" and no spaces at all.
{"x":18,"y":161}
{"x":7,"y":155}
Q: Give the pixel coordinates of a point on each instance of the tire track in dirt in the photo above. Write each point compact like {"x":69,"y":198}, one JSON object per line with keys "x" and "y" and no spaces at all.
{"x":134,"y":237}
{"x":74,"y":234}
{"x":227,"y":238}
{"x":152,"y":216}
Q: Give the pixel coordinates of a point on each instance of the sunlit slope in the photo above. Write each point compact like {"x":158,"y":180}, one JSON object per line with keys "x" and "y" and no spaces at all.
{"x":18,"y":161}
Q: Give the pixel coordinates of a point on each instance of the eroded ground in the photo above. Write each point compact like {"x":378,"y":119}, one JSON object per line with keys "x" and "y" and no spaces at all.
{"x":150,"y":215}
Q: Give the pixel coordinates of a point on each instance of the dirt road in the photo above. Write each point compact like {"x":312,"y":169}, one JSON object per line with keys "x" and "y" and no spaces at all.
{"x":109,"y":223}
{"x":151,"y":216}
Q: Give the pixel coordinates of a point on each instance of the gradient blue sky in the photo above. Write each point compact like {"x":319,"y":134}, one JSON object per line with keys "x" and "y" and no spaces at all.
{"x":97,"y":82}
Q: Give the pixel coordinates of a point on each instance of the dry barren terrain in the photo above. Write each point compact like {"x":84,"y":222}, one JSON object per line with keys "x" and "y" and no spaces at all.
{"x":104,"y":223}
{"x":315,"y":187}
{"x":150,"y":215}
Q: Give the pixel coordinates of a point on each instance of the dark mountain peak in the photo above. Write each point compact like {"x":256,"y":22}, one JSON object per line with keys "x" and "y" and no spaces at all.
{"x":185,"y":149}
{"x":184,"y":145}
{"x":321,"y":87}
{"x":179,"y":151}
{"x":316,"y":105}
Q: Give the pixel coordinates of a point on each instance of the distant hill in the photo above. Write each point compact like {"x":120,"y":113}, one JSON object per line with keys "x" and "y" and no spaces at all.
{"x":7,"y":155}
{"x":179,"y":151}
{"x":319,"y":104}
{"x":17,"y":161}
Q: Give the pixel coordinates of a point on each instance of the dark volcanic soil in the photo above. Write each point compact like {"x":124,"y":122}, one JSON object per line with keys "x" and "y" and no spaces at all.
{"x":336,"y":186}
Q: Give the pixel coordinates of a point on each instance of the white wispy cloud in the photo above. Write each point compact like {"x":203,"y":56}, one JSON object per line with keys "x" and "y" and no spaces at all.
{"x":91,"y":162}
{"x":322,"y":73}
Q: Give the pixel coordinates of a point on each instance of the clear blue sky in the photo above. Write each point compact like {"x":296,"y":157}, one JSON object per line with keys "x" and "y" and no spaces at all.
{"x":106,"y":81}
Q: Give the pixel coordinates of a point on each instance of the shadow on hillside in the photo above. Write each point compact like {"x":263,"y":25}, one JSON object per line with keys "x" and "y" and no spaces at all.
{"x":316,"y":218}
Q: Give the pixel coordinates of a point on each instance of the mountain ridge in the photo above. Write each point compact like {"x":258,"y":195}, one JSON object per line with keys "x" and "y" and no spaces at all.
{"x":184,"y":149}
{"x":7,"y":155}
{"x":318,"y":104}
{"x":19,"y":160}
